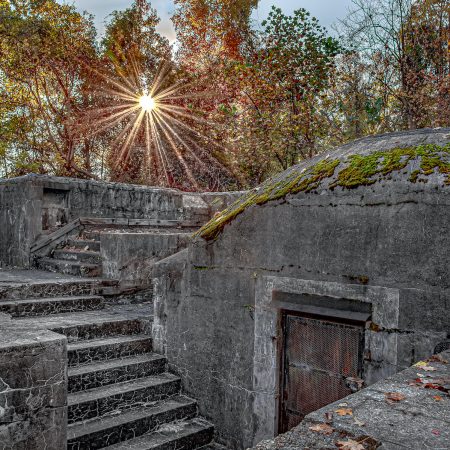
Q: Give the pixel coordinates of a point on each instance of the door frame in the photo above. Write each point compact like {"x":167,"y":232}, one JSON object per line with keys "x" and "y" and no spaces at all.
{"x":384,"y":306}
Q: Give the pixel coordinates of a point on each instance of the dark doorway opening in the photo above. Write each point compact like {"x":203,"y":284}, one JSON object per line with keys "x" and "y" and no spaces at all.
{"x":318,"y":355}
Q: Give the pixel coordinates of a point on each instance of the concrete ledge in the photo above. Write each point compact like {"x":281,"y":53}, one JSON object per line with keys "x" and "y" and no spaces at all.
{"x":33,"y":389}
{"x":408,"y":410}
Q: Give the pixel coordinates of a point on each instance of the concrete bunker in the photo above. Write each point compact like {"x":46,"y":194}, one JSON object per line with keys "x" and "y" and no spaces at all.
{"x":331,"y":277}
{"x":356,"y":240}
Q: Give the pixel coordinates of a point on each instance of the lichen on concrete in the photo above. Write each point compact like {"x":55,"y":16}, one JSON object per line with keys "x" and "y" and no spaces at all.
{"x":355,"y":170}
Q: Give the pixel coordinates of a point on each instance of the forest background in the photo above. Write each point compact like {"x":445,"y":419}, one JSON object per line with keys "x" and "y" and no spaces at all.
{"x":235,"y":103}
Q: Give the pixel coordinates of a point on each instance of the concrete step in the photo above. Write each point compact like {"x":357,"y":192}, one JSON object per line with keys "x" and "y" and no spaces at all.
{"x":57,"y":288}
{"x":186,"y":435}
{"x":98,"y":402}
{"x":75,"y":268}
{"x":85,"y":352}
{"x":53,"y":305}
{"x":118,"y":321}
{"x":109,"y":430}
{"x":98,"y":330}
{"x":85,"y":244}
{"x":90,"y":235}
{"x":214,"y":446}
{"x":85,"y":256}
{"x":104,"y":373}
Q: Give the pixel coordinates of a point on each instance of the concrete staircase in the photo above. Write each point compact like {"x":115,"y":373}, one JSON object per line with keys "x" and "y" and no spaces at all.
{"x":78,"y":256}
{"x":120,"y":394}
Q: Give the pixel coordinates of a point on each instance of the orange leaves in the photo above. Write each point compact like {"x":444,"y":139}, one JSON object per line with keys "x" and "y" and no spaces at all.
{"x":393,"y":397}
{"x":322,"y":428}
{"x":349,"y":445}
{"x":344,"y":412}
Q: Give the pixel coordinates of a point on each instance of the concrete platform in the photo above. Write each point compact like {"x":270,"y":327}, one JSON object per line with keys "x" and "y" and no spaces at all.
{"x":409,"y":410}
{"x":19,"y":277}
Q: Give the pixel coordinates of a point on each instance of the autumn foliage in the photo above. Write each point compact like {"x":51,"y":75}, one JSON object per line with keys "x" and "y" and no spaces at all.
{"x":256,"y":99}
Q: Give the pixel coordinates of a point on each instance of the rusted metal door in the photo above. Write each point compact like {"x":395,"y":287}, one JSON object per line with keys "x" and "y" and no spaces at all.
{"x":318,"y":355}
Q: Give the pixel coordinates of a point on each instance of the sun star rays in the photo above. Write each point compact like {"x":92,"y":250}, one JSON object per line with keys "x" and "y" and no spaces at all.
{"x":151,"y":117}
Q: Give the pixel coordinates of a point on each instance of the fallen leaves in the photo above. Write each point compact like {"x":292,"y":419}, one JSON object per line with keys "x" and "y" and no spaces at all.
{"x":425,"y":366}
{"x":358,"y":423}
{"x":344,"y":411}
{"x":350,"y":445}
{"x":420,"y":364}
{"x":393,"y":397}
{"x":429,"y":382}
{"x":322,"y":428}
{"x":437,"y":358}
{"x":437,"y":398}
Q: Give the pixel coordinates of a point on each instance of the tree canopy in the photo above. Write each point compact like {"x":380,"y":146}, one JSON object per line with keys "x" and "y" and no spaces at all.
{"x":232,"y":103}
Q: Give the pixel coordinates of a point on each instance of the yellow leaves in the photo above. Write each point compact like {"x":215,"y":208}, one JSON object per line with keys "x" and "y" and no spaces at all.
{"x":420,"y":364}
{"x":424,"y":366}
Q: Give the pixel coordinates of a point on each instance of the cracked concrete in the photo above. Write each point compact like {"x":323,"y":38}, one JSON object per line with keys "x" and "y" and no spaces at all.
{"x":392,"y":236}
{"x":33,"y":389}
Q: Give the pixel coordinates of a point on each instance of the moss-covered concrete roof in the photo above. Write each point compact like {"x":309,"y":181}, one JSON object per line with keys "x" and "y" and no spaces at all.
{"x":413,"y":156}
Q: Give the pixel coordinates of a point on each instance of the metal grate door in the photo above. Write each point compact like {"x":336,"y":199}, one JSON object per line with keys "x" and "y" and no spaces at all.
{"x":318,"y":355}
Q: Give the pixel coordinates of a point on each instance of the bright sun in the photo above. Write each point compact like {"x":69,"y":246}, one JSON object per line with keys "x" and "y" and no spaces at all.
{"x":147,"y":103}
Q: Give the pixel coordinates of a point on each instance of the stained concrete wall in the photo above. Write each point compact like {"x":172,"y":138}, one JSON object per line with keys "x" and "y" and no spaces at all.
{"x":33,"y":389}
{"x":20,"y":222}
{"x":130,"y":256}
{"x":36,"y":204}
{"x":392,"y":235}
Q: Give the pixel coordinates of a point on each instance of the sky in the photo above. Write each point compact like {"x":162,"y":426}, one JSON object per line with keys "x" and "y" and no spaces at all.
{"x":327,"y":11}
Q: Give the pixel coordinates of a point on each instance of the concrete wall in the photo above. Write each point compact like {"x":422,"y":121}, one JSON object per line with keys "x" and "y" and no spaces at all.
{"x":385,"y":245}
{"x":130,"y":256}
{"x":33,"y":390}
{"x":20,"y":222}
{"x":36,"y":204}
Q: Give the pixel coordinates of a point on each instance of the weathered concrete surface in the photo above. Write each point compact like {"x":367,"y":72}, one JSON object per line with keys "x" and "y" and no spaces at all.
{"x":20,"y":222}
{"x":33,"y":389}
{"x":32,"y":204}
{"x":419,"y":419}
{"x":392,"y":235}
{"x":35,"y":204}
{"x":130,"y":256}
{"x":21,"y":284}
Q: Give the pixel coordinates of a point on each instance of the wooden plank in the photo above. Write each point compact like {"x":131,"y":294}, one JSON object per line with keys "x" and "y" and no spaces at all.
{"x":47,"y":240}
{"x":104,"y":221}
{"x":108,"y":221}
{"x":153,"y":222}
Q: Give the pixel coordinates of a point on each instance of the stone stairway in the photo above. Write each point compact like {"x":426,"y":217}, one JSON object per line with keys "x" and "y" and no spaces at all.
{"x":120,"y":394}
{"x":79,"y":256}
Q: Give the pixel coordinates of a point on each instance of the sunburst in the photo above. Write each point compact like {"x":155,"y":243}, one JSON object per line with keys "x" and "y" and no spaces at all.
{"x":151,"y":115}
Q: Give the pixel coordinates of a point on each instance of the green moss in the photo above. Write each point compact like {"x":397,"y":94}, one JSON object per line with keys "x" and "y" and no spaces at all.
{"x":361,"y":170}
{"x":414,"y":175}
{"x":202,"y":268}
{"x":358,"y":170}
